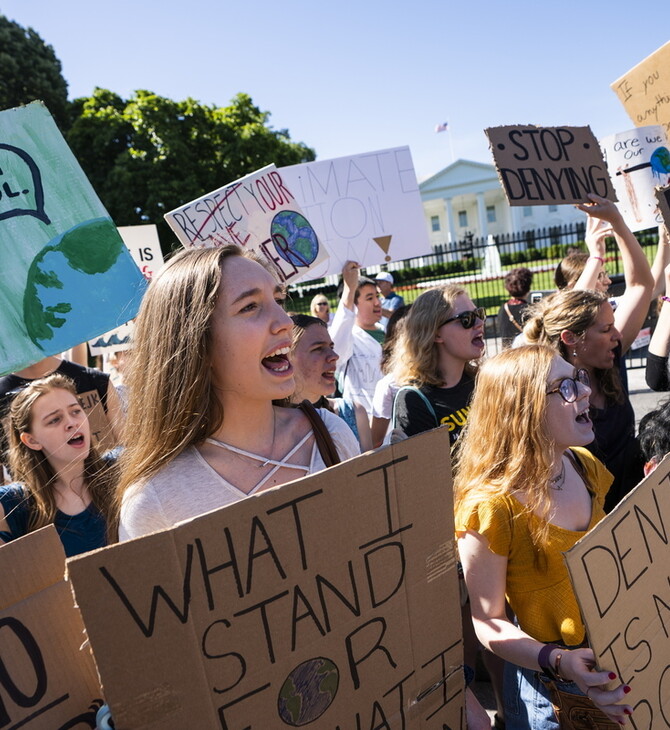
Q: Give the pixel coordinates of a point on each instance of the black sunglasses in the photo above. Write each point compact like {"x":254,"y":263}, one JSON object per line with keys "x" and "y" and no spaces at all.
{"x":568,"y":389}
{"x":468,"y":319}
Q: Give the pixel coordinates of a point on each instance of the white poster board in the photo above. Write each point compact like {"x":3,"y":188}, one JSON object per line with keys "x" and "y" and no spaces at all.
{"x":364,"y":208}
{"x":638,"y":160}
{"x":258,"y":212}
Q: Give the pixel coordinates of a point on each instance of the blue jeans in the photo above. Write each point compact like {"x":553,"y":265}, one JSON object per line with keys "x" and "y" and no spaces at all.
{"x":527,"y":703}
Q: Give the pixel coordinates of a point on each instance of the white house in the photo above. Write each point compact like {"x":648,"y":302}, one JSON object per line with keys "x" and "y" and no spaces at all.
{"x":466,"y":199}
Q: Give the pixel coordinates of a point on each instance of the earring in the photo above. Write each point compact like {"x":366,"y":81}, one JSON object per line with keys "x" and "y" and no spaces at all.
{"x":574,"y":353}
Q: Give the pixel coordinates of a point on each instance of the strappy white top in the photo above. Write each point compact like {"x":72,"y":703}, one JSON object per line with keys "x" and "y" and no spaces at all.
{"x":188,"y":486}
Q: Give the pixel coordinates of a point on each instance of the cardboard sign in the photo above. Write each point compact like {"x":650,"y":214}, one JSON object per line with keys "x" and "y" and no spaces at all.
{"x":101,"y":430}
{"x":549,"y":165}
{"x":663,"y":200}
{"x":620,"y":575}
{"x":331,"y":602}
{"x":48,"y":679}
{"x":66,"y":275}
{"x":365,"y":208}
{"x":638,"y":161}
{"x":645,"y":90}
{"x":260,"y":213}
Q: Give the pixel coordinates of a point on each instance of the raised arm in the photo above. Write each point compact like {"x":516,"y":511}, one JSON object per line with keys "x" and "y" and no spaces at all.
{"x":345,"y":316}
{"x":597,"y":231}
{"x":633,"y":306}
{"x":659,"y":346}
{"x":485,"y":576}
{"x":661,"y":260}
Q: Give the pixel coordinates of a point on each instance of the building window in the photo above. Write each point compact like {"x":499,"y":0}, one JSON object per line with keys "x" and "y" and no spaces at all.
{"x":527,"y":211}
{"x":463,"y":218}
{"x":553,"y":208}
{"x":491,"y":213}
{"x":435,"y":222}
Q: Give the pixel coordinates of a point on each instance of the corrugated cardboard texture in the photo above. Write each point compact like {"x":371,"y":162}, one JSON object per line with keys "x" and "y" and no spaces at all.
{"x":645,"y":90}
{"x":49,"y":679}
{"x":330,"y":602}
{"x":621,"y":575}
{"x":549,"y":165}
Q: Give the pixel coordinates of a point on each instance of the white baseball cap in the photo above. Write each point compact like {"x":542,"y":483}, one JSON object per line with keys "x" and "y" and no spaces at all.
{"x":384,"y":276}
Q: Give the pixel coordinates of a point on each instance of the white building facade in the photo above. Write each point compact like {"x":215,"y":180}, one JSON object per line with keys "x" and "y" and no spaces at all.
{"x":466,"y":200}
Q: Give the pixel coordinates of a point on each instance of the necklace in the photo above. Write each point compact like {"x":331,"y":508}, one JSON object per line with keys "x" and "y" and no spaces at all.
{"x":557,"y":482}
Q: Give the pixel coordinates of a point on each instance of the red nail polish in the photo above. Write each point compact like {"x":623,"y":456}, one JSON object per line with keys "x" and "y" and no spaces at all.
{"x":612,"y":675}
{"x":626,"y":689}
{"x":628,"y":712}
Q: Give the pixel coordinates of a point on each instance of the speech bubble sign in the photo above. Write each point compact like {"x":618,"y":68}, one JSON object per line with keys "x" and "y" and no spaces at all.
{"x":21,"y":191}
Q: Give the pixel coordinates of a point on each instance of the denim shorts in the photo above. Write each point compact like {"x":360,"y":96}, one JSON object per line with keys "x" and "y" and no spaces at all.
{"x":527,"y":703}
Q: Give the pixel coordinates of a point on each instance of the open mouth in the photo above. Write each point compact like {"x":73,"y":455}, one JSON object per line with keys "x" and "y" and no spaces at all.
{"x":478,"y":341}
{"x":583,"y":417}
{"x":328,"y":375}
{"x":277,"y":361}
{"x":77,"y":440}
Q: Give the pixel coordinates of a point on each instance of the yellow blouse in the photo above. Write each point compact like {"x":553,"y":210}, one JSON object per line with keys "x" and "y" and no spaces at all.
{"x":541,"y":597}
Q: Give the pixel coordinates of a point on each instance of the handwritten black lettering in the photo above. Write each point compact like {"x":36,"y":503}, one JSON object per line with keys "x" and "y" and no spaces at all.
{"x":371,"y":635}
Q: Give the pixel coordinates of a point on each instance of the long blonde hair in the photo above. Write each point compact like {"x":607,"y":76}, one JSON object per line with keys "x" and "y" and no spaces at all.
{"x":171,"y":399}
{"x":574,"y":311}
{"x":505,"y":446}
{"x":32,"y":468}
{"x":415,"y":357}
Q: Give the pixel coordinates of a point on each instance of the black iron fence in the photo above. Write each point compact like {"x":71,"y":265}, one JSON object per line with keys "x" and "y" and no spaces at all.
{"x":480,"y":267}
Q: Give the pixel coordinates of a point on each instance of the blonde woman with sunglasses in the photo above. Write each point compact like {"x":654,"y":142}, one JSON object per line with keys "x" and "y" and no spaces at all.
{"x":434,"y":362}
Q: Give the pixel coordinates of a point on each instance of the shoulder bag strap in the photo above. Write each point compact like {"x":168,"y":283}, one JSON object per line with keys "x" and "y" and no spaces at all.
{"x":511,"y":318}
{"x":324,"y":441}
{"x":423,"y":397}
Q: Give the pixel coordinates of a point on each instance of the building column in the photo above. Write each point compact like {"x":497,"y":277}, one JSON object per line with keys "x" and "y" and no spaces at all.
{"x":514,"y":218}
{"x":449,"y":208}
{"x":481,"y":212}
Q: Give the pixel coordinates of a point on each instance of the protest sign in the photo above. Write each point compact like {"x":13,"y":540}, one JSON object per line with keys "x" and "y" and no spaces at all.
{"x":645,"y":90}
{"x":637,"y":161}
{"x":365,"y":208}
{"x":621,"y":575}
{"x":331,"y":602}
{"x":145,"y":248}
{"x":66,"y":275}
{"x":260,"y":213}
{"x":663,"y":200}
{"x":549,"y":165}
{"x":48,"y":679}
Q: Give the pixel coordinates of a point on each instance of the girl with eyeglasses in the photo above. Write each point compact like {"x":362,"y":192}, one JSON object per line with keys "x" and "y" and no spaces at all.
{"x":434,"y":361}
{"x":526,"y":490}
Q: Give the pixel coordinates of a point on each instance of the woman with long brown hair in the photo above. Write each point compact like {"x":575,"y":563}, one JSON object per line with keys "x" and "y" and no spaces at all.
{"x":210,"y":356}
{"x":60,"y":478}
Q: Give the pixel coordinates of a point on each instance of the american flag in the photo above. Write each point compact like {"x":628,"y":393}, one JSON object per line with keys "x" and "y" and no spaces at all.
{"x":442,"y":127}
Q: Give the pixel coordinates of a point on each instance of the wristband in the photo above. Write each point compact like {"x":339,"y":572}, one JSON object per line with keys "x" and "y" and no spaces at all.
{"x":543,"y":661}
{"x":665,"y":299}
{"x":600,"y":258}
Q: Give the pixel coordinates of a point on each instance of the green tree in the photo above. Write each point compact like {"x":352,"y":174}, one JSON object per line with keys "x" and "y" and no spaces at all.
{"x":149,"y":154}
{"x":29,"y":71}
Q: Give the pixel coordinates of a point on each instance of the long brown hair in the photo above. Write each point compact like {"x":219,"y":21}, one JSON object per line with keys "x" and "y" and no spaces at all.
{"x":32,"y":468}
{"x":505,"y":446}
{"x":574,"y":311}
{"x":171,"y":399}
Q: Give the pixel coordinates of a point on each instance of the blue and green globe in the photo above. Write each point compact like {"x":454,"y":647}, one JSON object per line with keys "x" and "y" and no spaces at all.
{"x":82,"y":281}
{"x":294,"y":238}
{"x":308,"y":691}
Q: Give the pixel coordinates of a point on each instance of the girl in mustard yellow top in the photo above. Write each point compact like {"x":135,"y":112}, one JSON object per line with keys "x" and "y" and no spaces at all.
{"x":525,"y":493}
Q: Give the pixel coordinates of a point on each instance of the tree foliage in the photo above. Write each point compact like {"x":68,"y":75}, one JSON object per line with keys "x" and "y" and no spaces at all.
{"x":149,"y":154}
{"x":29,"y":71}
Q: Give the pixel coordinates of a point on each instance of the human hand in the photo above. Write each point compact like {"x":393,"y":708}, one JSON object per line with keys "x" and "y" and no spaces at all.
{"x":350,"y":274}
{"x":666,"y":272}
{"x":597,"y":231}
{"x":476,"y":717}
{"x":578,"y":666}
{"x":601,"y":208}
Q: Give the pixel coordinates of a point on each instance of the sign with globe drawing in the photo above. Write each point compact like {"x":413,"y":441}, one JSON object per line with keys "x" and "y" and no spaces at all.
{"x":66,"y":275}
{"x":260,"y":213}
{"x":331,"y":602}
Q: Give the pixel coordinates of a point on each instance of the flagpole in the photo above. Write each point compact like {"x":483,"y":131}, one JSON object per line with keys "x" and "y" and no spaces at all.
{"x":451,"y":144}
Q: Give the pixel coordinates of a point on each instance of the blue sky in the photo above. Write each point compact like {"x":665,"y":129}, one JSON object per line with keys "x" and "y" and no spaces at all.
{"x":350,"y":77}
